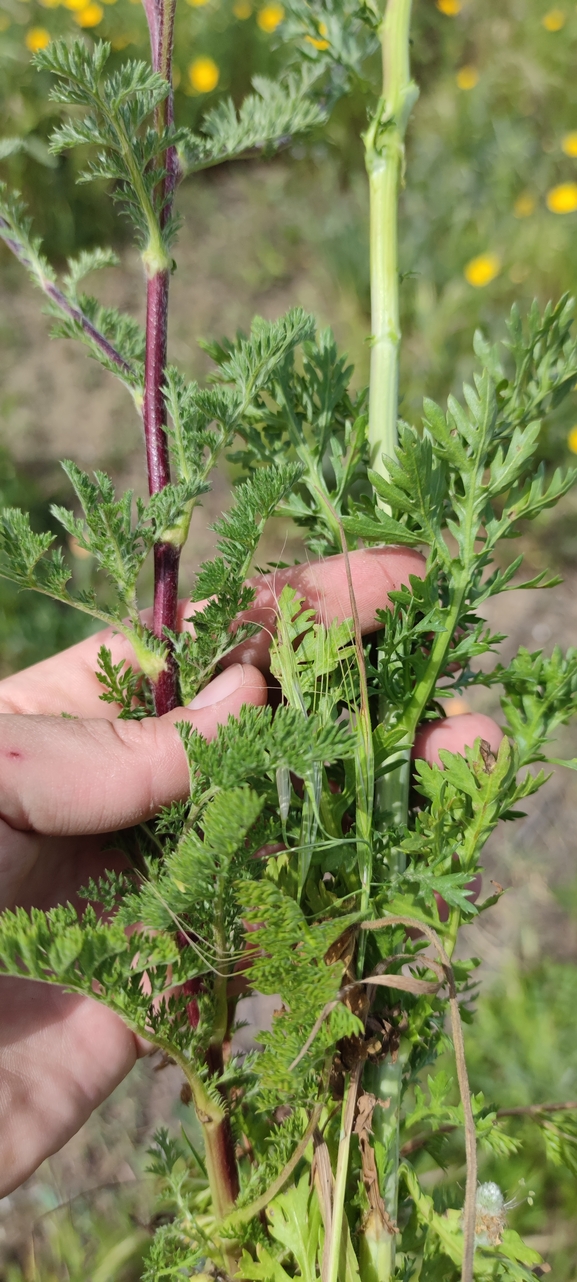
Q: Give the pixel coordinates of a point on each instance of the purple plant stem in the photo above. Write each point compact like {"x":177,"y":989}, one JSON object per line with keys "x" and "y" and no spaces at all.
{"x":219,"y":1141}
{"x":166,"y":556}
{"x":151,"y":9}
{"x":154,"y":409}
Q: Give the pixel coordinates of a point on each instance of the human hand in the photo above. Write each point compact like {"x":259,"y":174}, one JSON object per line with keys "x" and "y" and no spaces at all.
{"x":66,"y":783}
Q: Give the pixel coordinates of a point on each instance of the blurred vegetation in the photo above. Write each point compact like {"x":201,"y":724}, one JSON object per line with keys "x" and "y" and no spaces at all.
{"x":96,"y":1237}
{"x":522,"y":1050}
{"x":31,"y":626}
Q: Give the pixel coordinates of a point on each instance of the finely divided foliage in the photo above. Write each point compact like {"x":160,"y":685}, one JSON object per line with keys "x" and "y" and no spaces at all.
{"x":302,"y":865}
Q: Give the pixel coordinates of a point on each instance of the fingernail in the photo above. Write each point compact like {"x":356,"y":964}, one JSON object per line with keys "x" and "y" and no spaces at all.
{"x":222,"y":686}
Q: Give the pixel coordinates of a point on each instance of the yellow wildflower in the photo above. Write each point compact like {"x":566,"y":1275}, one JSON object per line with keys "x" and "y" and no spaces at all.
{"x":36,"y":38}
{"x":562,"y":199}
{"x":242,"y":9}
{"x":74,"y":4}
{"x":196,"y":4}
{"x":467,"y":77}
{"x":449,"y":7}
{"x":572,"y":440}
{"x":270,"y":17}
{"x":90,"y":15}
{"x":204,"y":75}
{"x":321,"y":43}
{"x":480,"y":271}
{"x":554,"y":20}
{"x":569,"y":143}
{"x":524,"y":205}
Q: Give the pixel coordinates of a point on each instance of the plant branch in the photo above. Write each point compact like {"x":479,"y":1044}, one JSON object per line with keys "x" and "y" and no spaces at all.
{"x":70,"y":310}
{"x":533,"y":1110}
{"x":523,"y":1110}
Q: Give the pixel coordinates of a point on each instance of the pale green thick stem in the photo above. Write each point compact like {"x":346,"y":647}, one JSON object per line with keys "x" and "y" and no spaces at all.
{"x":384,"y":143}
{"x":392,"y":797}
{"x":377,"y":1246}
{"x":385,"y":325}
{"x":384,"y":147}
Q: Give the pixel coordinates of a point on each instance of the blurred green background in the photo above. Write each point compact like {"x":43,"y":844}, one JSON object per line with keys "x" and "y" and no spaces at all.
{"x":488,"y":216}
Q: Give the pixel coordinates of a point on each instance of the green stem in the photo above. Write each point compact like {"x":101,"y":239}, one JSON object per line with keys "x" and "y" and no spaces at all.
{"x":393,"y":794}
{"x":214,"y":1123}
{"x":425,"y":687}
{"x":377,"y":1246}
{"x":384,"y":158}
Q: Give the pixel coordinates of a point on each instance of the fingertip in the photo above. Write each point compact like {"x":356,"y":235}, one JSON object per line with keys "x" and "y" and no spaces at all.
{"x":454,"y":734}
{"x":400,"y":561}
{"x":143,"y":1047}
{"x":223,"y":698}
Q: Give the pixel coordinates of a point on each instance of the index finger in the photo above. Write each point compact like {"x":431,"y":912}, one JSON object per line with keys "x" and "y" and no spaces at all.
{"x":324,"y":585}
{"x":66,"y":683}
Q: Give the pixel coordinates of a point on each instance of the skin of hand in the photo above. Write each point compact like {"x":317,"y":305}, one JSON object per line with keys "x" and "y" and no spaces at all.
{"x":68,"y":781}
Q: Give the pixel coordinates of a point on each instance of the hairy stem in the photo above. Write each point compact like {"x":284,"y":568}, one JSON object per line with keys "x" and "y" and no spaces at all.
{"x":384,"y":158}
{"x":160,"y":14}
{"x":166,"y":555}
{"x":218,"y":1140}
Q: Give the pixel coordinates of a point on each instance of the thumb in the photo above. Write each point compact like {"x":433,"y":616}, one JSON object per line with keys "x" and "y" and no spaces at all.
{"x":62,"y":777}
